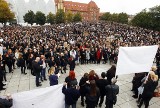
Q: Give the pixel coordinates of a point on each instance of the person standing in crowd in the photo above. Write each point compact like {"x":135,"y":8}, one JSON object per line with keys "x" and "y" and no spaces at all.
{"x":92,"y":95}
{"x":22,"y":64}
{"x":101,"y":84}
{"x":2,"y":62}
{"x":6,"y":102}
{"x":92,"y":56}
{"x":1,"y":76}
{"x":63,"y":63}
{"x":111,"y":93}
{"x":43,"y":71}
{"x":9,"y":63}
{"x":30,"y":60}
{"x":93,"y":75}
{"x":71,"y":94}
{"x":83,"y":86}
{"x":111,"y":73}
{"x":99,"y":55}
{"x":87,"y":56}
{"x":70,"y":78}
{"x":83,"y":56}
{"x":37,"y":69}
{"x":72,"y":63}
{"x":53,"y":76}
{"x":137,"y":83}
{"x":149,"y":86}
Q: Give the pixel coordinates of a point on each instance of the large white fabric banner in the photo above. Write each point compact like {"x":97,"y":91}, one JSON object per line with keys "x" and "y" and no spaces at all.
{"x":50,"y":97}
{"x":135,"y":59}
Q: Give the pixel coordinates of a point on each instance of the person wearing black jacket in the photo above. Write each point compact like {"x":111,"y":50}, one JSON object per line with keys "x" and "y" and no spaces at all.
{"x":1,"y":77}
{"x":83,"y":56}
{"x":30,"y":60}
{"x":37,"y":69}
{"x":6,"y":103}
{"x":22,"y":64}
{"x":111,"y":93}
{"x":101,"y":84}
{"x":149,"y":87}
{"x":71,"y":95}
{"x":92,"y":94}
{"x":83,"y":85}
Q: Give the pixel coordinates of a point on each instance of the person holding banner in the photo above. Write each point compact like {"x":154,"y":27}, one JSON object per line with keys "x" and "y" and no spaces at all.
{"x":150,"y":85}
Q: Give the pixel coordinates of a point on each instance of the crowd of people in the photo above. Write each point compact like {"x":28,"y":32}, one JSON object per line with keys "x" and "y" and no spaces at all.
{"x":60,"y":45}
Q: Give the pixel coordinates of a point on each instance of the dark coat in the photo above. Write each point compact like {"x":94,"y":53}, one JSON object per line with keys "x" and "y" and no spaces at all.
{"x":111,"y":92}
{"x":101,"y":84}
{"x":68,"y":80}
{"x":36,"y":67}
{"x":4,"y":103}
{"x":71,"y":95}
{"x":83,"y":85}
{"x":92,"y":101}
{"x":149,"y":88}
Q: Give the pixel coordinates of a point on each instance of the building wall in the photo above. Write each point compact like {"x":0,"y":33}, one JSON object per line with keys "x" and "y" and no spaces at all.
{"x":89,"y":12}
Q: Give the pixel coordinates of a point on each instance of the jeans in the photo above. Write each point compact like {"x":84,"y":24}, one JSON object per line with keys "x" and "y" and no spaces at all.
{"x":37,"y":79}
{"x":73,"y":106}
{"x":43,"y":74}
{"x":23,"y":68}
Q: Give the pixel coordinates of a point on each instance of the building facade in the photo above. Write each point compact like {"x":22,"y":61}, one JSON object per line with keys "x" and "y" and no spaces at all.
{"x":89,"y":12}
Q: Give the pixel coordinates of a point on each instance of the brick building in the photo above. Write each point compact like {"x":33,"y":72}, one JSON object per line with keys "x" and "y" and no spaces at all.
{"x":89,"y":12}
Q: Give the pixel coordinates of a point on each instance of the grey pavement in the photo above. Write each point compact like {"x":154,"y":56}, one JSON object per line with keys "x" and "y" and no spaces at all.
{"x":17,"y":82}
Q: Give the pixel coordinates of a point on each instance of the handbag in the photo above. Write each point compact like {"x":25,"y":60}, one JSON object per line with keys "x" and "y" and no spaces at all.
{"x":140,"y":90}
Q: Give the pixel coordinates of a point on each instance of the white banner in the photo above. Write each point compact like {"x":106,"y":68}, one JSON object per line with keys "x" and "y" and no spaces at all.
{"x":135,"y":59}
{"x":50,"y":97}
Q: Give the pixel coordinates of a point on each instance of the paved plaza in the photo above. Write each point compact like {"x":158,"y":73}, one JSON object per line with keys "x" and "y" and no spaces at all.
{"x":17,"y":82}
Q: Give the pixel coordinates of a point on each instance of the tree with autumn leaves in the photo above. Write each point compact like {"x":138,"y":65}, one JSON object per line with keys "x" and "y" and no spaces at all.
{"x":6,"y":15}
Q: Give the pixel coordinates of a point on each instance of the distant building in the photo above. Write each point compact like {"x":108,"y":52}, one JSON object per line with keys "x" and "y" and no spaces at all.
{"x":89,"y":12}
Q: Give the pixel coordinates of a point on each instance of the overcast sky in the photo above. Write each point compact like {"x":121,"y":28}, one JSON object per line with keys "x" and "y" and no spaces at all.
{"x":128,"y":6}
{"x":118,"y":6}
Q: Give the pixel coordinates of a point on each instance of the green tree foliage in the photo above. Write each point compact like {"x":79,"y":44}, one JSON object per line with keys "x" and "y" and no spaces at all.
{"x":5,"y":12}
{"x":114,"y":17}
{"x":40,"y":18}
{"x":123,"y":18}
{"x":149,"y":20}
{"x":69,"y":16}
{"x":77,"y":17}
{"x":60,"y":16}
{"x":51,"y":18}
{"x":106,"y":16}
{"x":29,"y":17}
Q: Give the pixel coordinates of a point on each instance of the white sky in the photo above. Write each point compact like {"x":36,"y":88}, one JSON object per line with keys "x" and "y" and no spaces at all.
{"x":118,"y":6}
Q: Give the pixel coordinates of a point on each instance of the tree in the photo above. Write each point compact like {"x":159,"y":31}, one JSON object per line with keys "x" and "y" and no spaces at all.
{"x":123,"y":18}
{"x":106,"y":16}
{"x":114,"y":17}
{"x":51,"y":18}
{"x":155,"y":18}
{"x":40,"y":18}
{"x":142,"y":19}
{"x":77,"y":17}
{"x":60,"y":16}
{"x":29,"y":17}
{"x":5,"y":12}
{"x":69,"y":16}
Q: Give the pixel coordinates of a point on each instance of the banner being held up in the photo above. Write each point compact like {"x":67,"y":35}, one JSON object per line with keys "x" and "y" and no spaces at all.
{"x":135,"y":59}
{"x":50,"y":97}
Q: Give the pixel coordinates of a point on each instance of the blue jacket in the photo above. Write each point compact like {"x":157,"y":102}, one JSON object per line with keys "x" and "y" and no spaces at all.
{"x":53,"y":80}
